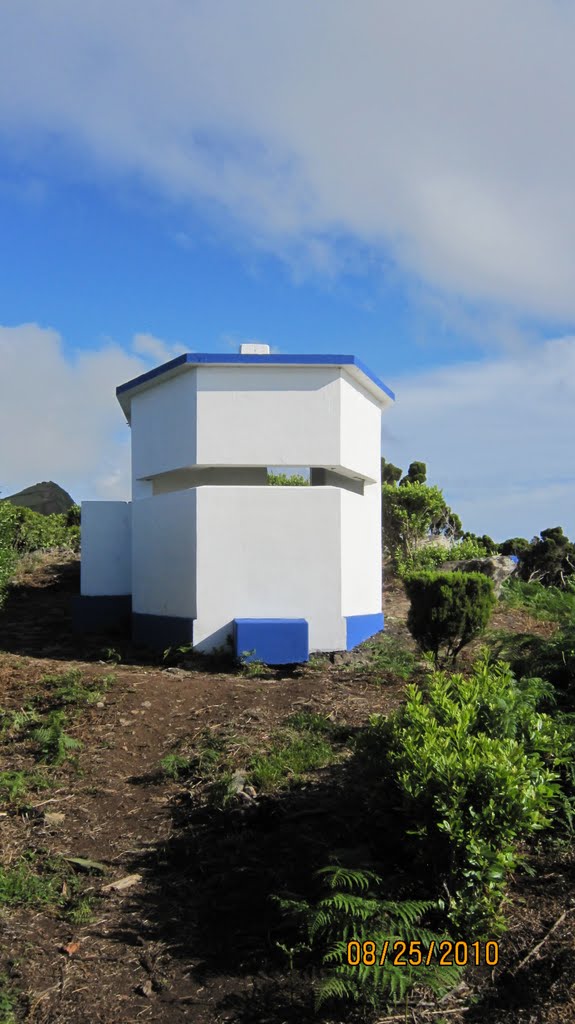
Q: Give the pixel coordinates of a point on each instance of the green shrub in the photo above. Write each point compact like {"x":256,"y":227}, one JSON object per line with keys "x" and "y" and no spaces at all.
{"x":24,"y":530}
{"x":473,"y":767}
{"x":448,"y":609}
{"x":282,"y":480}
{"x":552,"y":658}
{"x":432,"y":556}
{"x":411,"y":513}
{"x":73,"y":515}
{"x":7,"y":567}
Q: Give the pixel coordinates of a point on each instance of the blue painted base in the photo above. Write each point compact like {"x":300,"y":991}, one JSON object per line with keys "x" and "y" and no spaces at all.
{"x":273,"y":641}
{"x":161,"y":631}
{"x":101,"y":614}
{"x":361,"y":627}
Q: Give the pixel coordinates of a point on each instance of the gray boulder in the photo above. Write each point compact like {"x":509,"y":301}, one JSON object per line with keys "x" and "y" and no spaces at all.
{"x":497,"y":567}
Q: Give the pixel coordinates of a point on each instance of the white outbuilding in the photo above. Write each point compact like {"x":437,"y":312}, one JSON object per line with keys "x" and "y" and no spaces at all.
{"x":207,"y":551}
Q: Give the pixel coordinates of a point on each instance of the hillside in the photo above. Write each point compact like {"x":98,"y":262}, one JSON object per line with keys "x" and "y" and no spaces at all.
{"x":46,"y":498}
{"x":167,"y":916}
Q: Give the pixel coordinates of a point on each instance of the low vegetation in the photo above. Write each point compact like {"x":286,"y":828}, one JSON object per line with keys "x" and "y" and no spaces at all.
{"x":23,"y":531}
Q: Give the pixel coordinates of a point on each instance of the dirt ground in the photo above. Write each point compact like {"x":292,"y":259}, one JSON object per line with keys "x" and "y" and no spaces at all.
{"x":181,"y":942}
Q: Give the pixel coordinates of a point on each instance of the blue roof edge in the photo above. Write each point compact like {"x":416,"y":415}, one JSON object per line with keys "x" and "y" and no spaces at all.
{"x":198,"y":358}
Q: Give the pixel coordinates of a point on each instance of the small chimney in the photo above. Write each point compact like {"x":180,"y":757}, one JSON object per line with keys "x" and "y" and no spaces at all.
{"x":251,"y":348}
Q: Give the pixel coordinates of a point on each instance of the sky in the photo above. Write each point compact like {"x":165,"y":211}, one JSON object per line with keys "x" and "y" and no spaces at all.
{"x":395,"y":181}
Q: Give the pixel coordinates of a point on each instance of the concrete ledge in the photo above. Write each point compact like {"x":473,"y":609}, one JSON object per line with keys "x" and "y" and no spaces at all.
{"x":361,"y":627}
{"x":273,"y":641}
{"x":161,"y":631}
{"x":102,"y":613}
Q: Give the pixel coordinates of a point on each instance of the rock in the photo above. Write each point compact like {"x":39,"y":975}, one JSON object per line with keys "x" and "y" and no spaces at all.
{"x":54,"y":817}
{"x":122,"y":883}
{"x":497,"y":567}
{"x":238,"y":782}
{"x":145,"y":989}
{"x":251,"y":792}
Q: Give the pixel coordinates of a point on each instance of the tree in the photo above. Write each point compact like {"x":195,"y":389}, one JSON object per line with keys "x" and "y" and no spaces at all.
{"x":549,"y":559}
{"x":390,"y":474}
{"x":485,"y":541}
{"x":416,"y":474}
{"x":514,"y":546}
{"x":413,"y":512}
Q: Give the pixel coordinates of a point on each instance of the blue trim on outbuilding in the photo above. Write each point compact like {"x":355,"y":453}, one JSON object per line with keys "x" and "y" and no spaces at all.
{"x":215,"y":359}
{"x":361,"y":627}
{"x":273,"y":641}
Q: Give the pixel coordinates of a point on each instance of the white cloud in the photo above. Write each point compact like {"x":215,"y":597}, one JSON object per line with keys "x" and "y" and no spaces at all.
{"x":149,"y":345}
{"x":497,"y":437}
{"x":59,"y":417}
{"x":440,"y":132}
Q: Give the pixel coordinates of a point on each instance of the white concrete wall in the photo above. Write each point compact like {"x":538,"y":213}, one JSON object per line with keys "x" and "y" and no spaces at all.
{"x":360,"y":430}
{"x":164,"y":426}
{"x":164,"y":555}
{"x":106,"y":548}
{"x":268,"y":416}
{"x":181,"y":479}
{"x":361,"y":551}
{"x":269,"y":552}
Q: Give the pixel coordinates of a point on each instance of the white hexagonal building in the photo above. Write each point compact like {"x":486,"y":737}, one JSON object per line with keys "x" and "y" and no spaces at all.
{"x":207,"y":549}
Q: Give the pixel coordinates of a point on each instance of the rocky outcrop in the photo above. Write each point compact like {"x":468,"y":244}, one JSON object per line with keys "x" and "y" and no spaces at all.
{"x":46,"y":498}
{"x":497,"y":567}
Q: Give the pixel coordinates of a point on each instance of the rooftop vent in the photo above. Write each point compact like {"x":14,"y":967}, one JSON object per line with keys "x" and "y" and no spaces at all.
{"x":251,"y":348}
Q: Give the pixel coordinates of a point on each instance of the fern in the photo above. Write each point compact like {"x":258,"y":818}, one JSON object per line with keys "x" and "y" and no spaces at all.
{"x":55,"y":744}
{"x":353,"y":910}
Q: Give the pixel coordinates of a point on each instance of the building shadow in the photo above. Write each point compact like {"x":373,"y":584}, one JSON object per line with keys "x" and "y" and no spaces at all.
{"x":210,"y":891}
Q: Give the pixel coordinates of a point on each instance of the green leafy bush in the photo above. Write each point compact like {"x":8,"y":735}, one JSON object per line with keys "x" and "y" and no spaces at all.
{"x":473,"y":767}
{"x":411,"y":513}
{"x":448,"y":609}
{"x":283,"y":480}
{"x":24,"y":530}
{"x":432,"y":556}
{"x":7,"y":567}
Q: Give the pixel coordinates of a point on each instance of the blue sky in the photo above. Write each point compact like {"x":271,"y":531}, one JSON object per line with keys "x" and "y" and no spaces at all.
{"x":323,"y":178}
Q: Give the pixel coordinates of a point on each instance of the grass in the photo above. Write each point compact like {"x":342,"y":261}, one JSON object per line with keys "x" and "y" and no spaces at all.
{"x":21,"y":885}
{"x":70,"y":689}
{"x":16,"y":786}
{"x":174,"y":766}
{"x":388,"y":655}
{"x":292,"y":757}
{"x":307,"y":741}
{"x":547,"y":603}
{"x":41,"y":881}
{"x":8,"y":1001}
